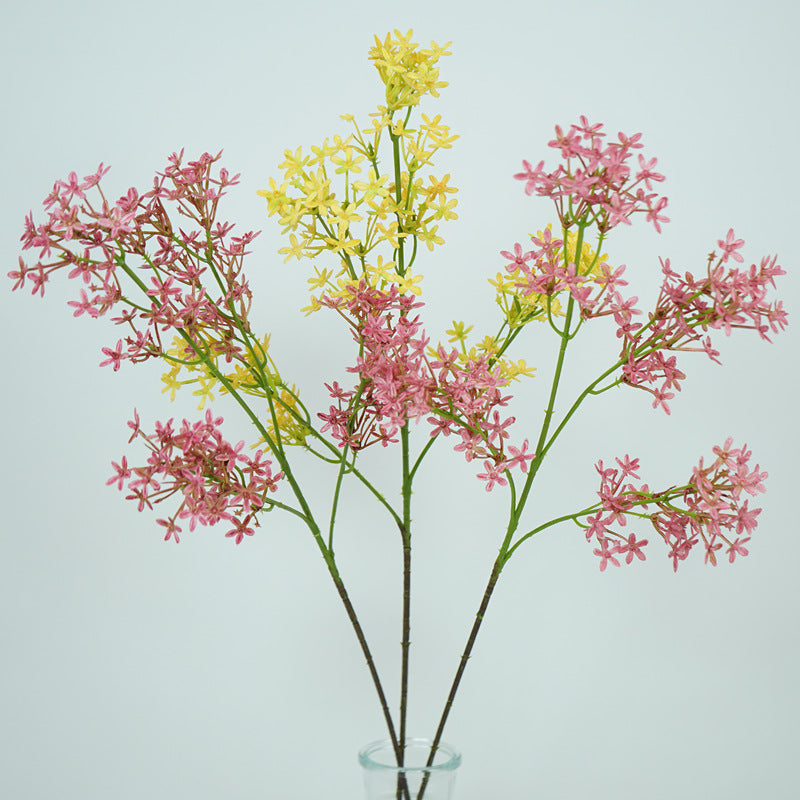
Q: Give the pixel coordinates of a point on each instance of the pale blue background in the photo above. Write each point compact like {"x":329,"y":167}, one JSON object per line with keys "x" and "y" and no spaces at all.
{"x":137,"y":669}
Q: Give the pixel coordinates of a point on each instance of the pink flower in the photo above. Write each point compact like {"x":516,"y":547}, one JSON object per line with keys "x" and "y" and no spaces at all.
{"x":519,"y":457}
{"x":492,"y":474}
{"x":123,"y":473}
{"x":531,"y":176}
{"x":596,"y":527}
{"x":115,"y":356}
{"x":518,"y":259}
{"x":240,"y":530}
{"x":737,"y":548}
{"x":654,"y":214}
{"x":746,"y":518}
{"x":173,"y":529}
{"x":647,"y":171}
{"x":730,"y":245}
{"x":628,"y":467}
{"x":607,"y":554}
{"x":632,"y":548}
{"x":84,"y":306}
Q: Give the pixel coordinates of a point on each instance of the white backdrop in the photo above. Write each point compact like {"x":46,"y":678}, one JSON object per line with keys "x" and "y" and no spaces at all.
{"x":136,"y":668}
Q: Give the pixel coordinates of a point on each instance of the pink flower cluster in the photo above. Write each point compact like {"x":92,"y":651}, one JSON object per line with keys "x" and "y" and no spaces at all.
{"x":710,"y":508}
{"x":548,"y":275}
{"x":187,"y":268}
{"x":724,"y":298}
{"x":213,"y":479}
{"x":95,"y":239}
{"x":595,"y":182}
{"x":399,"y":383}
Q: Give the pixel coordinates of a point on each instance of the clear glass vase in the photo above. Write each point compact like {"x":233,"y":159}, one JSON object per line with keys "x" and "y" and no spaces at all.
{"x":415,"y":780}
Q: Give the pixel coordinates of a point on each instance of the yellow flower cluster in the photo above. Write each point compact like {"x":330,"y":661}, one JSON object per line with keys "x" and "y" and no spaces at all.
{"x":407,"y":71}
{"x":591,"y":263}
{"x":519,"y":308}
{"x":189,"y":369}
{"x":490,"y":346}
{"x":336,"y":199}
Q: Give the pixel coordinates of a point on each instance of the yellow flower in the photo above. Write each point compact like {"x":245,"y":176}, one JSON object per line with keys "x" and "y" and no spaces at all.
{"x":172,"y":383}
{"x":458,"y":333}
{"x":317,"y":189}
{"x":444,"y":210}
{"x":322,"y":278}
{"x":489,"y":345}
{"x":437,"y":131}
{"x":373,"y":188}
{"x":276,"y":196}
{"x":381,"y":121}
{"x":389,"y":233}
{"x":513,"y":370}
{"x":429,"y":236}
{"x":297,"y":249}
{"x":294,"y":163}
{"x":205,"y":390}
{"x":439,"y":188}
{"x":320,"y":154}
{"x":381,"y":274}
{"x":314,"y":306}
{"x":351,"y":218}
{"x":342,"y":244}
{"x":343,"y":216}
{"x":407,"y":283}
{"x":291,"y":213}
{"x":348,"y":162}
{"x":240,"y":379}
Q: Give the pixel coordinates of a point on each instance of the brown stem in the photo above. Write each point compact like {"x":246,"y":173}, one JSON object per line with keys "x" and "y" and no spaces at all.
{"x":473,"y":635}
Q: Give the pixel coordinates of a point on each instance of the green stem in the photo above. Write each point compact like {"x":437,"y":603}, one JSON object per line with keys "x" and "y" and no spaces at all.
{"x":546,"y":525}
{"x":405,"y":532}
{"x":398,"y":196}
{"x":548,"y":414}
{"x":336,"y":492}
{"x":590,"y":389}
{"x":422,"y":455}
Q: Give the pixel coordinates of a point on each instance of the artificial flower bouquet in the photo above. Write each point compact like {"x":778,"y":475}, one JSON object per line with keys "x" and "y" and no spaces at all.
{"x":364,"y":209}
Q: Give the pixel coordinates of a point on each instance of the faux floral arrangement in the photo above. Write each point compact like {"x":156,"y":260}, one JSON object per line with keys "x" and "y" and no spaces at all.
{"x":169,"y":271}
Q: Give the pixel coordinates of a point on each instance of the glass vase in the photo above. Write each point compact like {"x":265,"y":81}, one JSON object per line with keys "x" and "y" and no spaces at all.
{"x":415,"y":780}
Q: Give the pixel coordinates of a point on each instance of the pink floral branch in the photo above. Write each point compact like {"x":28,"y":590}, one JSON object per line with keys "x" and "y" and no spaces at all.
{"x":711,"y":508}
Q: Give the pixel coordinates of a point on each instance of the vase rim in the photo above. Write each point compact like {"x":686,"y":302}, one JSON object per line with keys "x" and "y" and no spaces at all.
{"x":369,"y":756}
